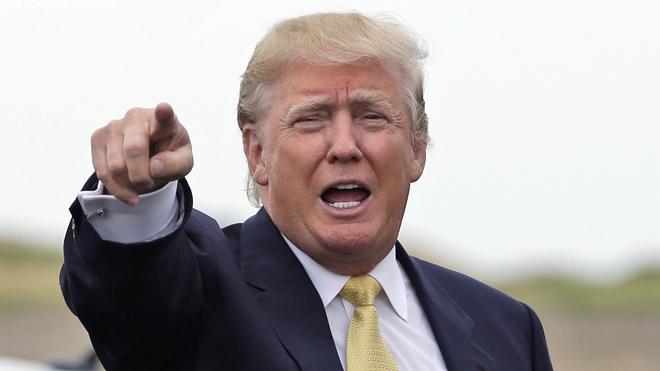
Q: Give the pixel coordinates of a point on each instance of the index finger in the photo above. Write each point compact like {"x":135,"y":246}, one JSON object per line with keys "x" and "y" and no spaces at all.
{"x":166,"y":121}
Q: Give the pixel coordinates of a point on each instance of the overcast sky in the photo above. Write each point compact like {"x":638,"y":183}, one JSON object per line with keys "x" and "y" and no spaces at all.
{"x":545,"y":118}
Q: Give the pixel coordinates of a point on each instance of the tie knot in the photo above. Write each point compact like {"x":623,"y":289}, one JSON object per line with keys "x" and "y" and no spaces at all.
{"x":361,"y":290}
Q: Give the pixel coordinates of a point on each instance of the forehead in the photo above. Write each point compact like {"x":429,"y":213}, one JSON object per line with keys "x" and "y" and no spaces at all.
{"x":300,"y":80}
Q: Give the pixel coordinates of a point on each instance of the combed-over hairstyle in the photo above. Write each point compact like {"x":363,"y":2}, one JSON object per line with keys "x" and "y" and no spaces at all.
{"x":335,"y":38}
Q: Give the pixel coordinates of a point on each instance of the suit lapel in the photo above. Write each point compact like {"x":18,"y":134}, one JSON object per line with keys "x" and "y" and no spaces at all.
{"x":451,"y":326}
{"x":295,"y":309}
{"x":287,"y":295}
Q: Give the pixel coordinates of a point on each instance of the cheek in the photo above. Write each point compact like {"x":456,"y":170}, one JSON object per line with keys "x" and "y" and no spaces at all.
{"x":391,"y":157}
{"x":294,"y":160}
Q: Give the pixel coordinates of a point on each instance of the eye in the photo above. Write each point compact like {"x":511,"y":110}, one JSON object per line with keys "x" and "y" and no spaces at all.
{"x":373,"y":120}
{"x":373,"y":116}
{"x":309,"y":123}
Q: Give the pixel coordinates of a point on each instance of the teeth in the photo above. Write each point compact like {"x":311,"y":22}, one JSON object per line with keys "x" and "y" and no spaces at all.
{"x":347,"y":186}
{"x":344,"y":205}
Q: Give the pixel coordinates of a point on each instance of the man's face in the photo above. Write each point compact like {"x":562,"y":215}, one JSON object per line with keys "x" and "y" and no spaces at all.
{"x":333,"y":159}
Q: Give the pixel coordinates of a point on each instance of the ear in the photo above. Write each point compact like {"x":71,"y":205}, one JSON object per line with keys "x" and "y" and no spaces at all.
{"x":418,"y":161}
{"x":253,"y":149}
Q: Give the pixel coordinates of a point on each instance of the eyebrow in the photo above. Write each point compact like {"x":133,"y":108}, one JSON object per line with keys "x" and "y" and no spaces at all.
{"x":313,"y":103}
{"x":360,"y":98}
{"x":373,"y":98}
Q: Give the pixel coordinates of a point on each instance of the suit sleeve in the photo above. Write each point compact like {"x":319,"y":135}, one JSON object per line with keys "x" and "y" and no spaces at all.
{"x":540,"y":355}
{"x":143,"y":304}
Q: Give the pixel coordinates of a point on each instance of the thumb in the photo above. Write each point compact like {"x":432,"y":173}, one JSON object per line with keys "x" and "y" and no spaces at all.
{"x":171,"y":165}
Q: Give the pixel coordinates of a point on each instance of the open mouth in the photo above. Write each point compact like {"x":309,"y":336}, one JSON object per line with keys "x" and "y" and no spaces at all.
{"x":345,"y":195}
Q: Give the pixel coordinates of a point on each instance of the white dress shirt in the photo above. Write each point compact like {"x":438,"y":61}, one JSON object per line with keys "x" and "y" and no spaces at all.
{"x":403,"y":323}
{"x":157,"y":214}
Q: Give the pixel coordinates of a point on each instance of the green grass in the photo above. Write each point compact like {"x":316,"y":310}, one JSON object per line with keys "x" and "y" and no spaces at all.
{"x":28,"y":277}
{"x":12,"y":252}
{"x":639,"y":294}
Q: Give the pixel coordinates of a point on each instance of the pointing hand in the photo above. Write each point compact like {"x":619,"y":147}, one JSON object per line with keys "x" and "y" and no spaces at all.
{"x":141,"y":152}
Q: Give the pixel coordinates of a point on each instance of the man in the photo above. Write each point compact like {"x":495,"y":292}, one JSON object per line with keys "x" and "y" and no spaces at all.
{"x":334,"y":130}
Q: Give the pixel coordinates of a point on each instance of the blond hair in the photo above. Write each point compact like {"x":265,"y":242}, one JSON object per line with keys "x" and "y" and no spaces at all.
{"x":334,"y":38}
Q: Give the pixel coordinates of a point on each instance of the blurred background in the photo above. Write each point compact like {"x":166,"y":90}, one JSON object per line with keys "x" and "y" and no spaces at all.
{"x":542,"y":179}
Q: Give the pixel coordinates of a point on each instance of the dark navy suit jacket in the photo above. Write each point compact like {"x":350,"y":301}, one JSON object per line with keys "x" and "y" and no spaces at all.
{"x":206,"y":298}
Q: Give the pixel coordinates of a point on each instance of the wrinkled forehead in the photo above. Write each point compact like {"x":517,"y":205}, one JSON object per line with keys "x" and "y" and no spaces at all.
{"x":363,"y":82}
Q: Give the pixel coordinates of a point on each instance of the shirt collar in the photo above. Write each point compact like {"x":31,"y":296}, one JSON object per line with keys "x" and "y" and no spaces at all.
{"x":328,"y":283}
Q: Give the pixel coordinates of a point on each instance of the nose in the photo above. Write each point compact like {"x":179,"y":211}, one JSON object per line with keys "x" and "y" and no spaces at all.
{"x":343,"y":142}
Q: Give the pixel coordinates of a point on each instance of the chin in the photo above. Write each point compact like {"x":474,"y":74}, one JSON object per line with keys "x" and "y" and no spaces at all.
{"x":351,"y":240}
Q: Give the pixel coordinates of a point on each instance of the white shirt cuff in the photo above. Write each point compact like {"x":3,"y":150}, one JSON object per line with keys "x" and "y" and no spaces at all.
{"x":156,"y":215}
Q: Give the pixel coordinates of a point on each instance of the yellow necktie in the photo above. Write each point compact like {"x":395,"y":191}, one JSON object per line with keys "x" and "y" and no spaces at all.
{"x":365,"y":348}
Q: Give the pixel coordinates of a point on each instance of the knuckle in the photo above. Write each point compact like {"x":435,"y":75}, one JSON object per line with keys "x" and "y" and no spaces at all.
{"x":135,"y":149}
{"x":116,"y":166}
{"x":98,"y":137}
{"x":114,"y":125}
{"x":135,"y":112}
